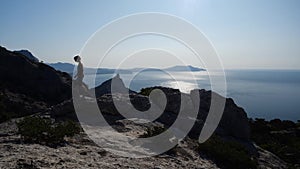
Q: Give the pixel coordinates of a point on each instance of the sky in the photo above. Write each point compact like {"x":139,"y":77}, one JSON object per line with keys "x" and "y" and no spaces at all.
{"x":253,"y":34}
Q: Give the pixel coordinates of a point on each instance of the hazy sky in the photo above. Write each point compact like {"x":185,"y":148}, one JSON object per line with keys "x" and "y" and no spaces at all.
{"x":246,"y":34}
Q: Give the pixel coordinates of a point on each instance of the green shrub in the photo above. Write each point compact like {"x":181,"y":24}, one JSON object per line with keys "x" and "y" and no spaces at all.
{"x":227,"y":154}
{"x":298,"y":123}
{"x":146,"y":91}
{"x":153,"y":131}
{"x":68,"y":128}
{"x":45,"y":131}
{"x":281,"y":138}
{"x":34,"y":129}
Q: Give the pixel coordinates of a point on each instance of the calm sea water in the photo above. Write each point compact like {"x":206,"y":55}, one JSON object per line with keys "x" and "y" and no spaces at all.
{"x":265,"y":94}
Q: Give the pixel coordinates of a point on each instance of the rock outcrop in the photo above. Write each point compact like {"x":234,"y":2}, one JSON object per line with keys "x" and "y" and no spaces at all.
{"x":234,"y":122}
{"x":41,"y":82}
{"x":29,"y":87}
{"x":28,"y":54}
{"x":116,"y":82}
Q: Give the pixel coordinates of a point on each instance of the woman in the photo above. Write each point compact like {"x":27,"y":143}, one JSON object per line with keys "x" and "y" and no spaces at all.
{"x":79,"y":75}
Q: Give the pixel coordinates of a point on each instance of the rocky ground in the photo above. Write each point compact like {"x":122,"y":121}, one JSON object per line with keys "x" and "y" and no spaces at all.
{"x":268,"y":160}
{"x":80,"y":152}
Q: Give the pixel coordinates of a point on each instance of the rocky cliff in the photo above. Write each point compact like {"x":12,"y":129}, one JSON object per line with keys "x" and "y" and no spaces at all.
{"x":37,"y":80}
{"x":29,"y":87}
{"x":234,"y":122}
{"x":105,"y":87}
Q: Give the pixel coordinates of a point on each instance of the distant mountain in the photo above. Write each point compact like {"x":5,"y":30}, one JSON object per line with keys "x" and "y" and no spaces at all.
{"x":28,"y":54}
{"x":110,"y":71}
{"x":177,"y":68}
{"x":184,"y":68}
{"x":145,"y":69}
{"x":68,"y":67}
{"x":64,"y":67}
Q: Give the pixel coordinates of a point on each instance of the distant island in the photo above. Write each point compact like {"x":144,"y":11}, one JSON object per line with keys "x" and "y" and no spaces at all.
{"x":184,"y":68}
{"x":69,"y":68}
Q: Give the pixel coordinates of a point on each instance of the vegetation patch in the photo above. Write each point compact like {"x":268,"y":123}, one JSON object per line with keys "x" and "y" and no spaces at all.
{"x":45,"y":131}
{"x":153,"y":131}
{"x":281,"y":137}
{"x":146,"y":91}
{"x":227,"y":154}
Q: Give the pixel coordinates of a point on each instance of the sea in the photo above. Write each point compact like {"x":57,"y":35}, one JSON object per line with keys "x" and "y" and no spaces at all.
{"x":267,"y":94}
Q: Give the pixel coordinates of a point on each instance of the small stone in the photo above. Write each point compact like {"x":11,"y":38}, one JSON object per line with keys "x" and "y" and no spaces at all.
{"x":102,"y":153}
{"x":157,"y":167}
{"x":83,"y":153}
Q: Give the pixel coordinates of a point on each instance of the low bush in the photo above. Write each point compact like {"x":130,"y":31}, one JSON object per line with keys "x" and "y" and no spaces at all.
{"x":146,"y":91}
{"x":45,"y":131}
{"x":280,"y":137}
{"x":227,"y":154}
{"x":153,"y":131}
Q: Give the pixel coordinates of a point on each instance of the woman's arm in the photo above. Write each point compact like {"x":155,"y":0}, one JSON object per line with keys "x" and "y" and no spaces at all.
{"x":76,"y":75}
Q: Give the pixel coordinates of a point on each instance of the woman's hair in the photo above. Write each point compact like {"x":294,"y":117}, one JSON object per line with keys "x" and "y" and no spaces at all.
{"x":76,"y":57}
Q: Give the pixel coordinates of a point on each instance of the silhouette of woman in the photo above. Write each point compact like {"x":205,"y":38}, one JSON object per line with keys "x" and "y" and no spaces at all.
{"x":80,"y":75}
